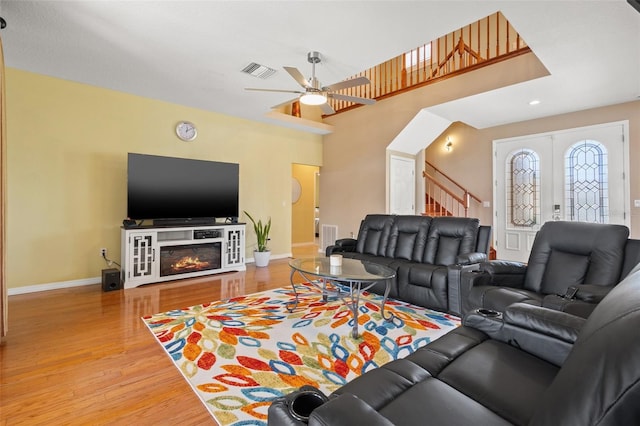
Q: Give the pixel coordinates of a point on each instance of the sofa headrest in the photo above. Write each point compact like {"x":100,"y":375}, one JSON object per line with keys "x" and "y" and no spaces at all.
{"x":449,"y":237}
{"x":408,"y":237}
{"x":373,"y":236}
{"x":587,"y":253}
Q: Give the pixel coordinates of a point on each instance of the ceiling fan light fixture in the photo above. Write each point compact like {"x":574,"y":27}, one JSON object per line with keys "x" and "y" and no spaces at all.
{"x":316,"y":98}
{"x":314,"y":93}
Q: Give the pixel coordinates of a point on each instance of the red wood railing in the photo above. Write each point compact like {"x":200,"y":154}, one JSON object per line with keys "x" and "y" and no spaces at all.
{"x":481,"y":43}
{"x":442,"y":200}
{"x":447,"y":198}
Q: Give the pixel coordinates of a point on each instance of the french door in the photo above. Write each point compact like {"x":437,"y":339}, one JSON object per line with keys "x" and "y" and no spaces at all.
{"x":574,"y":175}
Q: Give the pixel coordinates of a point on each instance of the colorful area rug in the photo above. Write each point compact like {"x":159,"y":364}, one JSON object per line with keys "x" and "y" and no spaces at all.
{"x":240,"y":354}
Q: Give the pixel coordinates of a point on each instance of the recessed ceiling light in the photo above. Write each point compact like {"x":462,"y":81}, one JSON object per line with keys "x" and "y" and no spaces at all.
{"x":534,"y":102}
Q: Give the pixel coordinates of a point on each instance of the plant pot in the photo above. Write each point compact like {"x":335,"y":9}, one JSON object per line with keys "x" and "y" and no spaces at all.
{"x":261,"y":258}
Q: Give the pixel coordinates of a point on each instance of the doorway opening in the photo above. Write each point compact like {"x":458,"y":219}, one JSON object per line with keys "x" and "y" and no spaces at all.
{"x":305,"y":209}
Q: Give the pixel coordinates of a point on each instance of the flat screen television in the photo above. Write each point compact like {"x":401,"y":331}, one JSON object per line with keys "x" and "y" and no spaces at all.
{"x":171,"y":190}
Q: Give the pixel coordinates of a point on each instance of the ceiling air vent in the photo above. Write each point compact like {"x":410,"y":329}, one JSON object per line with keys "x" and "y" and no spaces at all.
{"x":258,"y":70}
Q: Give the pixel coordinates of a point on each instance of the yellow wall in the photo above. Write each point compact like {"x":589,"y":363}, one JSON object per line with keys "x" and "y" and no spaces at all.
{"x":67,"y":146}
{"x":67,"y":153}
{"x":303,"y":219}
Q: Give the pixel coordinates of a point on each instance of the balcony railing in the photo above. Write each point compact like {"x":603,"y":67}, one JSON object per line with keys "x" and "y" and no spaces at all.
{"x":481,"y":43}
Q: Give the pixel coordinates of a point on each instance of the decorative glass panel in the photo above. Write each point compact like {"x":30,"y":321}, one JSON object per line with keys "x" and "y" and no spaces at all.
{"x":523,"y":189}
{"x":586,"y":184}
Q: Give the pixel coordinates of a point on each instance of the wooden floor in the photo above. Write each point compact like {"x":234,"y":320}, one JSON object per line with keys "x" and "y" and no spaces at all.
{"x":81,"y":356}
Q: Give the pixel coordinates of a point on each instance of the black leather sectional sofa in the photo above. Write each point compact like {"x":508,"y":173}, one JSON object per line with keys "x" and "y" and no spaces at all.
{"x":529,"y":366}
{"x":539,"y":357}
{"x":421,"y":249}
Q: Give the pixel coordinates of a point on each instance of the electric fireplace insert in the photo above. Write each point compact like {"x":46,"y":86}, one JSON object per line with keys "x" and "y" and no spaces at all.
{"x":182,"y":259}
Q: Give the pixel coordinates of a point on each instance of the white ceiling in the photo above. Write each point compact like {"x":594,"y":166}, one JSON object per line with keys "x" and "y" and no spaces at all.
{"x":192,"y":52}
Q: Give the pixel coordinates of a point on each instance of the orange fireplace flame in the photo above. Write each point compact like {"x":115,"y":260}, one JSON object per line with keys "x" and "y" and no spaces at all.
{"x":189,"y":263}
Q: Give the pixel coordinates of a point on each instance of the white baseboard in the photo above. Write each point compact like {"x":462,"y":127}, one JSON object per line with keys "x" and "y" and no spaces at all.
{"x":53,"y":286}
{"x":309,"y":243}
{"x":89,"y":281}
{"x":273,"y":257}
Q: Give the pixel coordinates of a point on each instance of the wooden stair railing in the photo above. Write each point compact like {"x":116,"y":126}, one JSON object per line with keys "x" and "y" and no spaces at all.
{"x":442,"y":201}
{"x":451,"y":199}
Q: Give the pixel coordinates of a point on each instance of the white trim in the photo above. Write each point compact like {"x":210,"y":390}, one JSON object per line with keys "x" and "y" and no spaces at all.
{"x":551,"y":133}
{"x":624,"y":123}
{"x":88,"y":281}
{"x":419,"y":133}
{"x":53,"y":286}
{"x":408,"y":163}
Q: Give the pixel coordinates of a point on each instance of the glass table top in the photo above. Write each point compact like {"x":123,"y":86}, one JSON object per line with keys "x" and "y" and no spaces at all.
{"x":351,"y":269}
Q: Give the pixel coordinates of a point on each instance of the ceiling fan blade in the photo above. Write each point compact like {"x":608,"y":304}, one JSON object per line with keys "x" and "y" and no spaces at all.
{"x":359,"y":81}
{"x":355,"y":99}
{"x":327,"y":109}
{"x":297,"y":76}
{"x":273,"y":90}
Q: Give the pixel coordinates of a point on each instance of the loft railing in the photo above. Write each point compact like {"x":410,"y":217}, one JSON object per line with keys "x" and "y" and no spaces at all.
{"x":447,"y":198}
{"x":481,"y":43}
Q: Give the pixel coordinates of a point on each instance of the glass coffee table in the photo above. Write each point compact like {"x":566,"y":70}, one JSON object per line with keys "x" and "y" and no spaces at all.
{"x":357,"y":275}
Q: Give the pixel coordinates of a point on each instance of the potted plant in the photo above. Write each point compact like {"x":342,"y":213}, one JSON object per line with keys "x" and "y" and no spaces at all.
{"x":262,"y":253}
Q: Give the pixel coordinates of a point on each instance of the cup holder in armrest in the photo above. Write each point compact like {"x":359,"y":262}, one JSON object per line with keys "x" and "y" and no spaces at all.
{"x":490,"y":313}
{"x":296,"y":407}
{"x":304,"y":403}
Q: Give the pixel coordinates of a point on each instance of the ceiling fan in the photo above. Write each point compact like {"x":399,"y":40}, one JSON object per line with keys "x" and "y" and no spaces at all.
{"x":315,"y":94}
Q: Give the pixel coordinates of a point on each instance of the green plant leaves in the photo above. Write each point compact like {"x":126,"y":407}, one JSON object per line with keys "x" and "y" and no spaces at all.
{"x":262,"y":231}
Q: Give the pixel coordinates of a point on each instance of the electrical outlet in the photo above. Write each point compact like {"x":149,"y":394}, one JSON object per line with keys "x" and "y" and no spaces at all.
{"x":103,"y":252}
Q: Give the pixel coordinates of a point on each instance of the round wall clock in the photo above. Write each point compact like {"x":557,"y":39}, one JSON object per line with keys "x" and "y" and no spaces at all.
{"x":186,"y":131}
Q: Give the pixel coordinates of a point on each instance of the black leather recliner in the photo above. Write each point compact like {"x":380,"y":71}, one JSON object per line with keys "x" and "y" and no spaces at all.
{"x":421,"y":249}
{"x":530,"y":366}
{"x":572,"y":266}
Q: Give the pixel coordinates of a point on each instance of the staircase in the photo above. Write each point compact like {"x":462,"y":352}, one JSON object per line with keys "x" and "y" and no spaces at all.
{"x":434,"y":208}
{"x":446,"y":197}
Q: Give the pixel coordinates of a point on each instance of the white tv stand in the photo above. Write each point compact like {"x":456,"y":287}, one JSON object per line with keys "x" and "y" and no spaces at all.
{"x":152,"y":254}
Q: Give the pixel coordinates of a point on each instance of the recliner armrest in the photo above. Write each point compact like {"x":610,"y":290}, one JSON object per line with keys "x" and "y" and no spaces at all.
{"x":501,"y":267}
{"x":504,"y":273}
{"x":332,"y":250}
{"x":469,"y":258}
{"x":457,"y":289}
{"x":583,"y":301}
{"x":543,"y":332}
{"x":591,"y":293}
{"x":342,"y":245}
{"x":544,"y":321}
{"x":346,"y":410}
{"x":347,"y":242}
